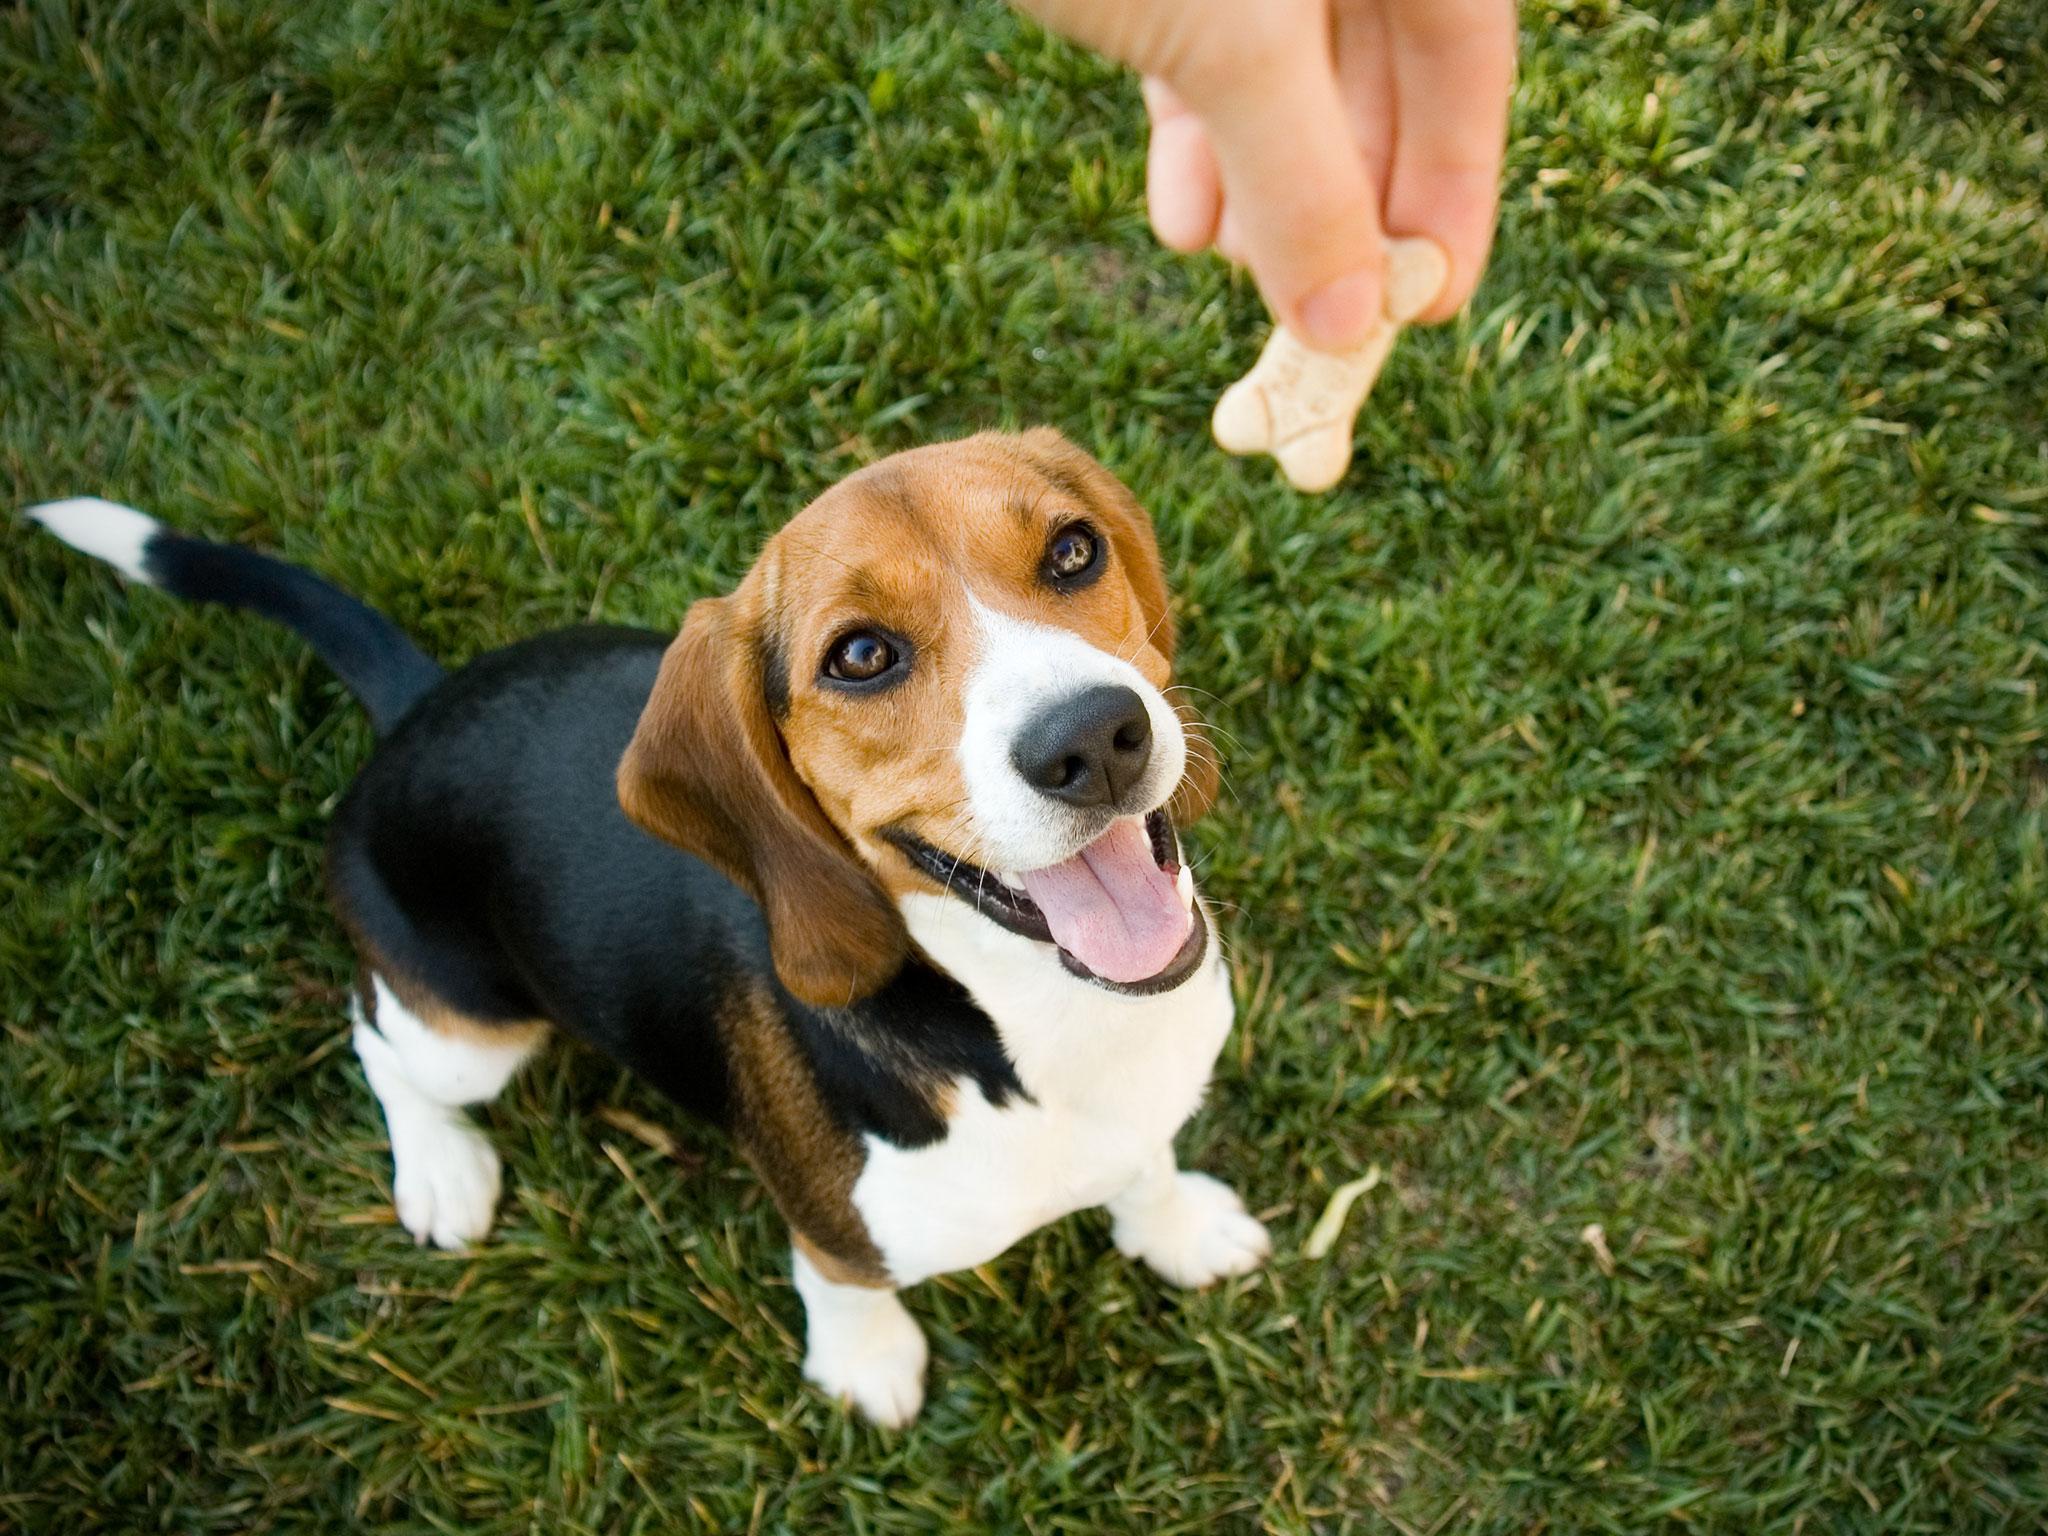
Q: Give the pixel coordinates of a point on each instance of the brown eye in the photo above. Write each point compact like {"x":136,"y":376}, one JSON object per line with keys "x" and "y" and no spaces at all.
{"x":860,"y":657}
{"x":1072,"y":553}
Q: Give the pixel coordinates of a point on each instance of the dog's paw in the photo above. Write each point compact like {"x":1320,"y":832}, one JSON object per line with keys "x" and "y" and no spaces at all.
{"x":445,"y":1179}
{"x":1201,"y":1234}
{"x":875,"y":1363}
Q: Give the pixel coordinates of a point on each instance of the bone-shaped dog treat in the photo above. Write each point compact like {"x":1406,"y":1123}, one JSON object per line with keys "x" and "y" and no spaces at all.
{"x":1297,"y":404}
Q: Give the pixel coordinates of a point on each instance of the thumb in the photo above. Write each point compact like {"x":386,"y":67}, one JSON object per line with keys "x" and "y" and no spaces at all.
{"x":1296,"y":191}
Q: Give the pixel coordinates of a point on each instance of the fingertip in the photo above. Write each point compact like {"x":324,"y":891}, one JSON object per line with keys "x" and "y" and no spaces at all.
{"x":1461,"y":278}
{"x":1458,"y":213}
{"x":1456,"y":295}
{"x":1469,"y":256}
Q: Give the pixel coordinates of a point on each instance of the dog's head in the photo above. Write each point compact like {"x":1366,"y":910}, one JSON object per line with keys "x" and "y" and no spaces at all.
{"x":949,"y":672}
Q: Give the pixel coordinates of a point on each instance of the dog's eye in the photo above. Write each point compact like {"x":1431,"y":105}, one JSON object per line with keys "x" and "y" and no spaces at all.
{"x":1072,"y":554}
{"x":860,"y":657}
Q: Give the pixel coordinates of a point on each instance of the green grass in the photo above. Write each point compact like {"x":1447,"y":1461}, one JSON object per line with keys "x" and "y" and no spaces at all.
{"x":1640,"y":789}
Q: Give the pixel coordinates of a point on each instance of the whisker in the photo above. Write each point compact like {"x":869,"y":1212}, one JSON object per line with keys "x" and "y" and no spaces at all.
{"x":1165,"y":616}
{"x":1209,"y":729}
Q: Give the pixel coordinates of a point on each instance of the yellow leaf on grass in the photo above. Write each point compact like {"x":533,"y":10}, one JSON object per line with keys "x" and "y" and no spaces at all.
{"x":1323,"y":1236}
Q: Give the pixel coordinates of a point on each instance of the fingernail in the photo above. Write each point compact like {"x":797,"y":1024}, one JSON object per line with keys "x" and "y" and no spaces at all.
{"x":1337,"y":315}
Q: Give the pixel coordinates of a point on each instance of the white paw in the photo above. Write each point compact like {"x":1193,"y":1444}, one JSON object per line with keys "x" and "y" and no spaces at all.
{"x":876,"y":1364}
{"x":1201,"y":1234}
{"x":446,"y":1177}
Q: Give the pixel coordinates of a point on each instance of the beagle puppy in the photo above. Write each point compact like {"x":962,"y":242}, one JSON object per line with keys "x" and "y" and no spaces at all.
{"x":874,"y":865}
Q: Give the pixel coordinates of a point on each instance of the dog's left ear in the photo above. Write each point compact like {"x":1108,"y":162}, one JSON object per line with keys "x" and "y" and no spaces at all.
{"x":707,"y":771}
{"x":1131,"y":532}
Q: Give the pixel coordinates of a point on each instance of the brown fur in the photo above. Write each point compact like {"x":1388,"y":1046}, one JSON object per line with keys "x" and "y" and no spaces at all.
{"x":831,"y":1268}
{"x":793,"y":1142}
{"x":429,"y":1009}
{"x":789,"y":794}
{"x":707,"y":772}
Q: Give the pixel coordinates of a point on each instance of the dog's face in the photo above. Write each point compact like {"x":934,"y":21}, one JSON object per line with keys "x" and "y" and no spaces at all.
{"x":950,"y":672}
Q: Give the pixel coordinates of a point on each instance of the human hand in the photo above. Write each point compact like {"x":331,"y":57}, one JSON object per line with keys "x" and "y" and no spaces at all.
{"x":1291,"y":133}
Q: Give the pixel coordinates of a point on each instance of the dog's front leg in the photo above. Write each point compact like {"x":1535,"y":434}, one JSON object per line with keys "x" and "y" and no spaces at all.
{"x":1189,"y":1227}
{"x":861,"y":1345}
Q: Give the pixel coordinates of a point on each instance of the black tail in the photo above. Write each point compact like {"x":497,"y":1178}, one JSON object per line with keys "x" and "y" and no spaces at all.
{"x":368,"y":652}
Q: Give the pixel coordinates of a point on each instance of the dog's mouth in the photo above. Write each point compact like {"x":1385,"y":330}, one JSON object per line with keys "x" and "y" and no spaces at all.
{"x":1121,"y":912}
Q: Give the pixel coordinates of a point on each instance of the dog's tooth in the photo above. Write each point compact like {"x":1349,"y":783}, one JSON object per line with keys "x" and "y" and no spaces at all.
{"x":1185,"y":884}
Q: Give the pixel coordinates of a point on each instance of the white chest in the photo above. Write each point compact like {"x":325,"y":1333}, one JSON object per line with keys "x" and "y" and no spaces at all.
{"x":1110,"y":1079}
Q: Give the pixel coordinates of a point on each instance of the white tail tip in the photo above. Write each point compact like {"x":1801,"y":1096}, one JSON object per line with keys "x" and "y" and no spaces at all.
{"x":104,"y":529}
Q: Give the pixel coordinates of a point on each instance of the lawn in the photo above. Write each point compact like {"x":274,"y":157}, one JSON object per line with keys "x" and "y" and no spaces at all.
{"x":1639,"y":771}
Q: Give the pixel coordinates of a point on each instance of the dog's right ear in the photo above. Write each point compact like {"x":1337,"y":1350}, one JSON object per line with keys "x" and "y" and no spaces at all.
{"x":707,"y":771}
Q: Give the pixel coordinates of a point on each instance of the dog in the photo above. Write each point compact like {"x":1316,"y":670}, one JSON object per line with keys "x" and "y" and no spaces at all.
{"x":874,"y":865}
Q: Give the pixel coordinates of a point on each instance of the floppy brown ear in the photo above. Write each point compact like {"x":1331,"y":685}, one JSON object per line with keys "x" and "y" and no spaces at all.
{"x":707,"y":771}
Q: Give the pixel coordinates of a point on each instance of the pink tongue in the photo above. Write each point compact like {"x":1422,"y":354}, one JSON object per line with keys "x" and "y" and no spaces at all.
{"x":1111,"y":907}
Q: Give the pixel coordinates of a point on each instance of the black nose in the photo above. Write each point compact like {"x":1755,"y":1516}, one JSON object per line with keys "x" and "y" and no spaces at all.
{"x":1090,"y":749}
